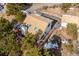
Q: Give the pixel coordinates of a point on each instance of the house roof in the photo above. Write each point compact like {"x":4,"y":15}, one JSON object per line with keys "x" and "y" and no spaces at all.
{"x":36,"y":21}
{"x":41,"y":18}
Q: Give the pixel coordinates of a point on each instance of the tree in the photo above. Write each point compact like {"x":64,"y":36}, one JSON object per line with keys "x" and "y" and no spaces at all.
{"x":70,"y":46}
{"x":33,"y":52}
{"x":29,"y":47}
{"x":8,"y":45}
{"x":16,"y":10}
{"x":66,"y":6}
{"x":5,"y":30}
{"x":28,"y":43}
{"x":72,"y":30}
{"x":20,"y":16}
{"x":13,"y":8}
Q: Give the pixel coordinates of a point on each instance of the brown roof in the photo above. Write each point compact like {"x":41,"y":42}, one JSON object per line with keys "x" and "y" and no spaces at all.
{"x":41,"y":18}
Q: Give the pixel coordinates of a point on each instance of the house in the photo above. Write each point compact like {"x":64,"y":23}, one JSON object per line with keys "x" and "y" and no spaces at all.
{"x":70,"y":19}
{"x":36,"y":22}
{"x":41,"y":21}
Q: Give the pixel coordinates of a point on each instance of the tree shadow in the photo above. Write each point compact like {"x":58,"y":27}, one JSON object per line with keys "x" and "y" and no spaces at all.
{"x":56,"y":51}
{"x":53,"y":51}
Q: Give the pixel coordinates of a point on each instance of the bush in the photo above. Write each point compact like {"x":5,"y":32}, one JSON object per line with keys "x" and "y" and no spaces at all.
{"x":72,"y":30}
{"x":66,"y":6}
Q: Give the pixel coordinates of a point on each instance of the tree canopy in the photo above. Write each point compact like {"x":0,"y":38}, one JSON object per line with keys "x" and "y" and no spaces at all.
{"x":16,"y":10}
{"x":8,"y":45}
{"x":66,"y":6}
{"x":72,"y":30}
{"x":13,"y":8}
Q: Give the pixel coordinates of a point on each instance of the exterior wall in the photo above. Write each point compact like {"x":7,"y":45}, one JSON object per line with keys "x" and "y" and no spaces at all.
{"x":35,"y":22}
